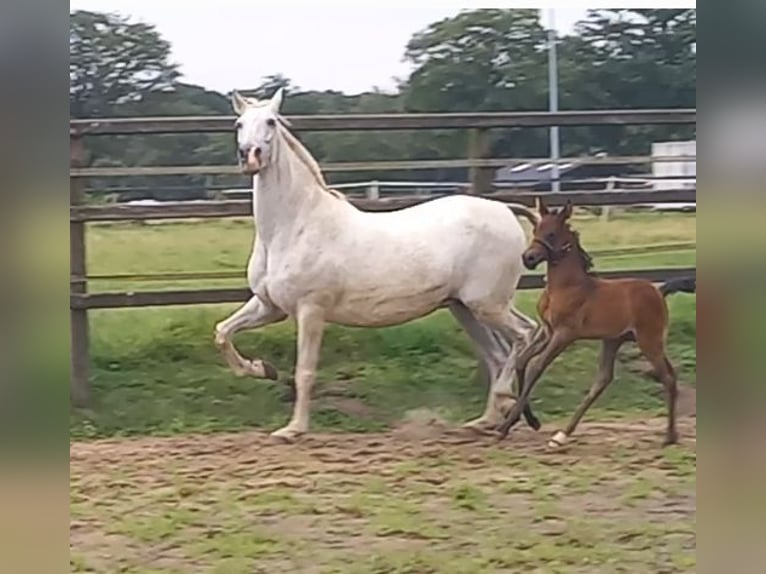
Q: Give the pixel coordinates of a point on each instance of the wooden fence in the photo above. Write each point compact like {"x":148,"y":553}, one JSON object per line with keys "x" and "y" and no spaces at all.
{"x":481,"y":170}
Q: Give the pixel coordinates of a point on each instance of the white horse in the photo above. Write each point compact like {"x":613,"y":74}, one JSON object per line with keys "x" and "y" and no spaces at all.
{"x":320,"y":260}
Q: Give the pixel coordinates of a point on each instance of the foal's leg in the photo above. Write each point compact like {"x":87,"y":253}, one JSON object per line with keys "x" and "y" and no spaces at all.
{"x":558,"y":341}
{"x":536,"y":345}
{"x":310,"y":319}
{"x":493,"y":350}
{"x":253,"y":314}
{"x":604,"y":376}
{"x":653,"y":347}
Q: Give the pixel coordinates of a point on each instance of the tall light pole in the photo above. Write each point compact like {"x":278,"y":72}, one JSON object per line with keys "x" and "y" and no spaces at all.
{"x":553,"y":98}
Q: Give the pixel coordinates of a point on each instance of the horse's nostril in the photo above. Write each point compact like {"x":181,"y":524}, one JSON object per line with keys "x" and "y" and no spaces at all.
{"x":257,"y":152}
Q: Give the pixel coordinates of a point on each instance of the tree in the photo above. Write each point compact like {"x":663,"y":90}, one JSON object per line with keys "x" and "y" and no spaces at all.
{"x":628,"y":59}
{"x":113,"y":61}
{"x":479,"y":60}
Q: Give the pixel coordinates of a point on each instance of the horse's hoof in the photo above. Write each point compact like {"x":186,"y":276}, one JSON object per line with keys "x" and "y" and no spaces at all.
{"x":286,"y":435}
{"x":269,"y":371}
{"x":475,"y":430}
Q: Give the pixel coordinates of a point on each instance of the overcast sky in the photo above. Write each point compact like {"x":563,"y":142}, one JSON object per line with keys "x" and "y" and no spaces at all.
{"x":348,"y":46}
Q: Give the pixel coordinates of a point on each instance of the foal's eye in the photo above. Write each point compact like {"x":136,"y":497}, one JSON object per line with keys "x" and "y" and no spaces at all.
{"x":238,"y":126}
{"x":271,"y":122}
{"x":550,"y":236}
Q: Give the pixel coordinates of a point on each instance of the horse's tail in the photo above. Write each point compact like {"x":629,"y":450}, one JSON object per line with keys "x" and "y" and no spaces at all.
{"x":526,"y":212}
{"x":682,"y":284}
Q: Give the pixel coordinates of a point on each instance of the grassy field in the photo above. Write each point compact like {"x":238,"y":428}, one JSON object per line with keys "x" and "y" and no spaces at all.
{"x":157,"y":372}
{"x":153,"y":490}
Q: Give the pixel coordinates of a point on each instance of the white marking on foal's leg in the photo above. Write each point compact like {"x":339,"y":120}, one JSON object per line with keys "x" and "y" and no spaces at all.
{"x":558,"y":440}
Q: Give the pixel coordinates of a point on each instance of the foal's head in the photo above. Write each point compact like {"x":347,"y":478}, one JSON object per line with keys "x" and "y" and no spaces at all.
{"x":552,"y":238}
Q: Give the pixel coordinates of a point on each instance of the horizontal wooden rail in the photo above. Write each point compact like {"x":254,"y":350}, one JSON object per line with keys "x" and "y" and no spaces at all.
{"x":243,"y":208}
{"x":218,"y":124}
{"x":354,"y":166}
{"x":116,"y":300}
{"x":225,"y":275}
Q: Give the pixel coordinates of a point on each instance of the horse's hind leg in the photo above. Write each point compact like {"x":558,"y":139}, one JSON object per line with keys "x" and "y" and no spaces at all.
{"x":493,"y":352}
{"x":653,"y":347}
{"x":253,"y":314}
{"x":516,"y":329}
{"x":604,"y":376}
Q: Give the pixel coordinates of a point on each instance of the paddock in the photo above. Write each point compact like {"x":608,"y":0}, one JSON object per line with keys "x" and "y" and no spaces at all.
{"x":171,"y":466}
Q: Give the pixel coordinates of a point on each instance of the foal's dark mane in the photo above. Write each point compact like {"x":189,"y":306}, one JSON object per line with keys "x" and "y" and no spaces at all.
{"x":586,"y":261}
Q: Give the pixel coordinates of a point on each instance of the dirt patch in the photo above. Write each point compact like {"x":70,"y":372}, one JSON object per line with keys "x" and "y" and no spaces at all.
{"x":413,"y":500}
{"x":421,"y":424}
{"x":348,"y":406}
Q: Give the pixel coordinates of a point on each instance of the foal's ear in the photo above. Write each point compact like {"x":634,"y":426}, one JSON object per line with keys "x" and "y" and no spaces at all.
{"x":542,"y":209}
{"x":566,"y":211}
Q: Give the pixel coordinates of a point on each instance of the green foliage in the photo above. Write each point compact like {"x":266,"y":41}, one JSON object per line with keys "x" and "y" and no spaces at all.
{"x":478,"y":60}
{"x":114,"y":62}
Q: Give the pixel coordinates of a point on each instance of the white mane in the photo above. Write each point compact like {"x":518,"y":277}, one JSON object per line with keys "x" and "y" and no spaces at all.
{"x":306,"y":159}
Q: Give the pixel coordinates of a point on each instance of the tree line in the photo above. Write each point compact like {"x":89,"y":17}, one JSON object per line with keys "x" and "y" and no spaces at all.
{"x":478,"y":60}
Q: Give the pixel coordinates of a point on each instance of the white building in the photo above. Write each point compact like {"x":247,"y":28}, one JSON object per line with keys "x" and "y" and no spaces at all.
{"x":681,"y":174}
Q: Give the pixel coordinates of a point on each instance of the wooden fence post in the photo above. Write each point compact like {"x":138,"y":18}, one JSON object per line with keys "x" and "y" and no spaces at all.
{"x":606,"y":210}
{"x":479,"y":148}
{"x":373,"y":191}
{"x":79,"y":387}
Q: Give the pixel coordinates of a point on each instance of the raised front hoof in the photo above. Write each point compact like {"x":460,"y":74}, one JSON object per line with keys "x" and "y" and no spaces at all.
{"x":258,"y":369}
{"x":286,"y":435}
{"x":270,"y":371}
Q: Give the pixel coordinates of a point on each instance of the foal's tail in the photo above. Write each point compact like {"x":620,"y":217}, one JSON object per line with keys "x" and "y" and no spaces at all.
{"x":529,"y":214}
{"x":682,"y":284}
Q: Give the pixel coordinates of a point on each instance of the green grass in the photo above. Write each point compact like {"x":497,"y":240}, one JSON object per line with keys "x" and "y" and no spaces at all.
{"x":156,"y":371}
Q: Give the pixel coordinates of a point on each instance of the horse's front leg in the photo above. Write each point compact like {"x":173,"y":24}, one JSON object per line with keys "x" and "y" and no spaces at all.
{"x":310,"y":319}
{"x":253,"y":314}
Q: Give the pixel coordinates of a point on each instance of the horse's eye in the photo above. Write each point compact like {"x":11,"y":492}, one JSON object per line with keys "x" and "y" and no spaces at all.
{"x":271,"y":122}
{"x":238,"y":126}
{"x":550,"y":236}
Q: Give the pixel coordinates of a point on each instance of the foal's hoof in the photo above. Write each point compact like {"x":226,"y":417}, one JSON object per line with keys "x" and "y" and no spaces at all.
{"x":558,"y":440}
{"x":534,"y":423}
{"x":670,"y":440}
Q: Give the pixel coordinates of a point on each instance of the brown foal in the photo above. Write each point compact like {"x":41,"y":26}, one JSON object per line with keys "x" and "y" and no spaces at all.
{"x":578,"y":305}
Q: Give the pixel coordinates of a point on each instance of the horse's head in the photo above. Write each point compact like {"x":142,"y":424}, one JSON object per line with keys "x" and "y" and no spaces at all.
{"x":256,"y":129}
{"x":551,"y":238}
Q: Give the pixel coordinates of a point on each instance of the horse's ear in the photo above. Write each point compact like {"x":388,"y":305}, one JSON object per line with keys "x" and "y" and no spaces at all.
{"x":542,"y":209}
{"x":276,"y":100}
{"x":238,"y":102}
{"x":566,"y":211}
